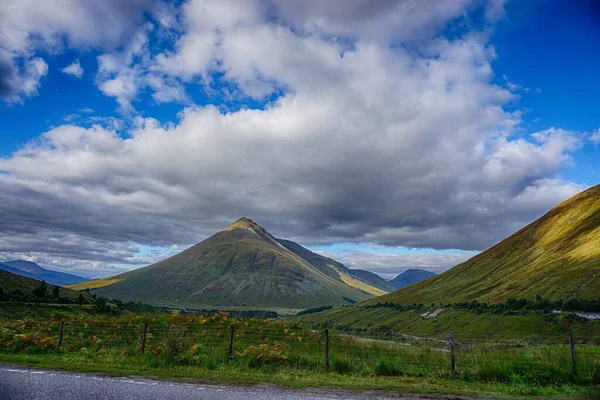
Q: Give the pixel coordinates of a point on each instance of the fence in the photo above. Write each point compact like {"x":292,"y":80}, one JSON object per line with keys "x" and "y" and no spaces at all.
{"x":500,"y":358}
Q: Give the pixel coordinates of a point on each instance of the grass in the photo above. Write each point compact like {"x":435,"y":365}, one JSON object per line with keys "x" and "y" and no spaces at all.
{"x":283,"y":352}
{"x":115,"y":364}
{"x":461,"y":322}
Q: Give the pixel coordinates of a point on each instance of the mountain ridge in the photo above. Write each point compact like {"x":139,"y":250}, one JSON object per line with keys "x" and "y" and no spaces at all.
{"x":32,"y":270}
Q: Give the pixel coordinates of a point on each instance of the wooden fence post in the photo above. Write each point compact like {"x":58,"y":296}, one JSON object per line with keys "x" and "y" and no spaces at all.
{"x":452,"y":355}
{"x":573,"y":359}
{"x":230,"y":349}
{"x":61,"y":334}
{"x":326,"y":348}
{"x":143,"y":344}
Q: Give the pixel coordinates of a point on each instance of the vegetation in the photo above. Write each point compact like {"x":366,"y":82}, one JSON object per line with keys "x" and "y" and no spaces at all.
{"x":285,"y":352}
{"x":242,"y":265}
{"x":14,"y":287}
{"x":314,"y":310}
{"x":392,"y":319}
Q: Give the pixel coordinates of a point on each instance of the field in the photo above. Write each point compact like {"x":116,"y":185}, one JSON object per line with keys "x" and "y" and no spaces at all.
{"x":285,"y":352}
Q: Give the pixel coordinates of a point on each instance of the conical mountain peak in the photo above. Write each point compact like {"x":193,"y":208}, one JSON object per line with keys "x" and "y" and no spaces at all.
{"x":245,"y":223}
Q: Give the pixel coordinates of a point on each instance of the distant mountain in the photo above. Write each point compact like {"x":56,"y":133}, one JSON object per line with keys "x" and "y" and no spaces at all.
{"x":31,"y":270}
{"x":242,"y":265}
{"x":409,"y":277}
{"x":11,"y":282}
{"x":555,"y":257}
{"x":364,"y":280}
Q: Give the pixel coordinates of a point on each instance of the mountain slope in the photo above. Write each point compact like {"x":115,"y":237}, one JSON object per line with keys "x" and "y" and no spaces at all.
{"x":242,"y":265}
{"x":409,"y":277}
{"x":556,"y":257}
{"x":11,"y":282}
{"x":31,"y":270}
{"x":364,"y":280}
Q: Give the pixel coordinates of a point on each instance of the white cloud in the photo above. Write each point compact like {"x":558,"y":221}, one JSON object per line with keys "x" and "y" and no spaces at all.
{"x":395,"y":145}
{"x":74,"y":69}
{"x":595,"y":137}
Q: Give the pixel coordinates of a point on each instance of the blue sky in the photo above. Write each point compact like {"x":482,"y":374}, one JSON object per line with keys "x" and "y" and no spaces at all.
{"x":414,"y":136}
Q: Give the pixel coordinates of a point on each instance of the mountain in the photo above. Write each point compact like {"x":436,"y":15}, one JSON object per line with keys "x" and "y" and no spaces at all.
{"x":242,"y":265}
{"x":32,"y":270}
{"x":409,"y":277}
{"x":11,"y":282}
{"x":555,"y":257}
{"x":365,"y":280}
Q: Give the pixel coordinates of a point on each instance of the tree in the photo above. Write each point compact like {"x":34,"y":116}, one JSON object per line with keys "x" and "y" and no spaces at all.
{"x":40,"y":291}
{"x":56,"y":292}
{"x":81,"y":299}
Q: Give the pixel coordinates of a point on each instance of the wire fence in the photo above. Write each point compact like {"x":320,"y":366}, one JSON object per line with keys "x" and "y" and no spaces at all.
{"x":499,"y":358}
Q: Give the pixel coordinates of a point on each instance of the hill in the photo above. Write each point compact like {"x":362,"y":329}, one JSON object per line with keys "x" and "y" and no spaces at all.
{"x":10,"y":282}
{"x":555,"y":257}
{"x":242,"y":265}
{"x":409,"y":277}
{"x":31,"y":270}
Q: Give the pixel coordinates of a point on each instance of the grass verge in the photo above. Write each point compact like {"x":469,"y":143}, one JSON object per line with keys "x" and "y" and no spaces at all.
{"x":115,"y":364}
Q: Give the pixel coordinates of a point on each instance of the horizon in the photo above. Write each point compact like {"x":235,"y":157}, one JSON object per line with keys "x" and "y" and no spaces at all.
{"x":410,"y":136}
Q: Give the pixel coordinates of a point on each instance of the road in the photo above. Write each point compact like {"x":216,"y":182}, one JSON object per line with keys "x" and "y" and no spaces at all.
{"x":19,"y":383}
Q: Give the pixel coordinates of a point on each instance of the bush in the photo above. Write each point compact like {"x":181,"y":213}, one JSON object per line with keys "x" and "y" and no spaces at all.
{"x":385,"y":368}
{"x":265,"y":354}
{"x":342,"y":366}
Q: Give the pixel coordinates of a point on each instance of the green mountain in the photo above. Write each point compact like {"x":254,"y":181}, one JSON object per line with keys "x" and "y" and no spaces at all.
{"x":409,"y":277}
{"x":242,"y":265}
{"x":10,"y":282}
{"x":555,"y":257}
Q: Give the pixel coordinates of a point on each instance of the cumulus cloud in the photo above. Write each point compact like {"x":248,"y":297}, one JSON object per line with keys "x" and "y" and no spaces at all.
{"x":28,"y":26}
{"x":366,"y":140}
{"x":74,"y":69}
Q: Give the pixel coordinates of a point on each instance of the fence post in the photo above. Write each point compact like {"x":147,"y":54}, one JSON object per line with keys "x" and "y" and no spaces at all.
{"x":143,"y":344}
{"x":573,"y":359}
{"x":61,"y":334}
{"x":452,"y":355}
{"x":326,"y":348}
{"x":230,"y":349}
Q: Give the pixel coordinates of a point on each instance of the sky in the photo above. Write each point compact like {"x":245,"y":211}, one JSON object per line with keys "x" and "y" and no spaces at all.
{"x":385,"y":134}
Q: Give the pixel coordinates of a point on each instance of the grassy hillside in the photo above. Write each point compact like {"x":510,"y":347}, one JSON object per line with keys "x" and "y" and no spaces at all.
{"x":32,"y":270}
{"x":464,"y":323}
{"x":556,"y":257}
{"x":11,"y":282}
{"x":242,"y":265}
{"x":363,"y":280}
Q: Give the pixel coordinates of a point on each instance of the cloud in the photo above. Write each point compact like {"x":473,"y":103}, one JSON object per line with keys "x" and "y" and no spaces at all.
{"x":74,"y":69}
{"x":595,"y":137}
{"x":363,"y":140}
{"x":30,"y":26}
{"x":15,"y":84}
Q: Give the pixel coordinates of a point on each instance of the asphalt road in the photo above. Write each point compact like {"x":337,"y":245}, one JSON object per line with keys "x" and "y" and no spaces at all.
{"x":18,"y":383}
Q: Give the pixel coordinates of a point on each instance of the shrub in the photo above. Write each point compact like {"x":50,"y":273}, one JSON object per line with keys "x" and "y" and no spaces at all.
{"x":385,"y":368}
{"x":265,"y":354}
{"x":342,"y":366}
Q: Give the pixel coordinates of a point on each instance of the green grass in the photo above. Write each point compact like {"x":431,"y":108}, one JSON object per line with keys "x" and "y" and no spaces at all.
{"x":114,"y":363}
{"x":462,"y":322}
{"x":284,"y":352}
